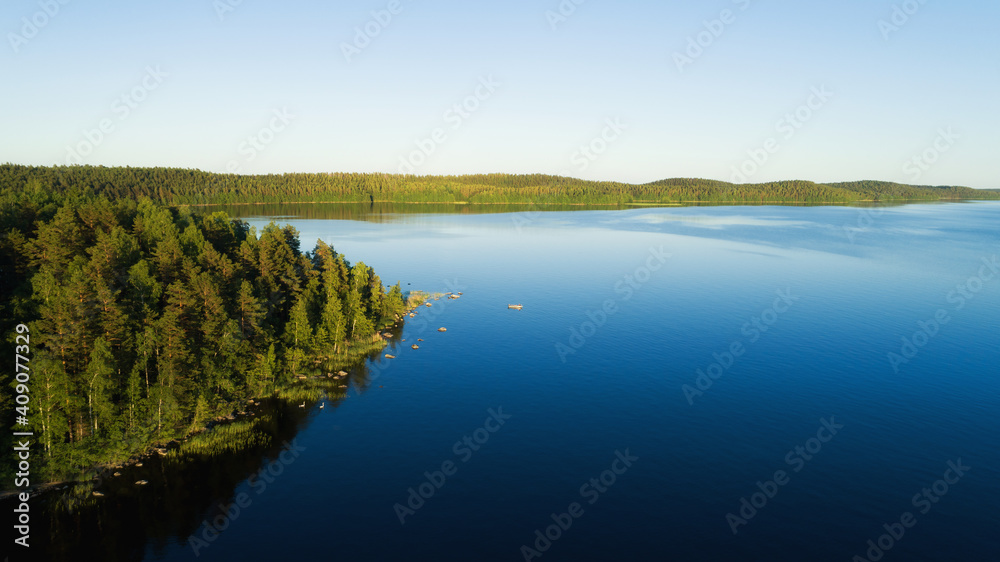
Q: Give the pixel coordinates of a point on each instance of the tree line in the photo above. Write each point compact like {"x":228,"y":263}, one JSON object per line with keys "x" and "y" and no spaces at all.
{"x":188,"y":187}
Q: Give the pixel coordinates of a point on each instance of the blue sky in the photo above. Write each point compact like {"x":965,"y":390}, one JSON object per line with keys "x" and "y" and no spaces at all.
{"x":598,"y":92}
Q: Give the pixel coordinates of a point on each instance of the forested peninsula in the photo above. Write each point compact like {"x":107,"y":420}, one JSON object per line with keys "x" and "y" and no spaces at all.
{"x":174,"y":186}
{"x":142,"y":323}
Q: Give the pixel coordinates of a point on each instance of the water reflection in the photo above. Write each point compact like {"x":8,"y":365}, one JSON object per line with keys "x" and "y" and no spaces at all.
{"x":386,"y":212}
{"x":188,"y":491}
{"x":405,"y":212}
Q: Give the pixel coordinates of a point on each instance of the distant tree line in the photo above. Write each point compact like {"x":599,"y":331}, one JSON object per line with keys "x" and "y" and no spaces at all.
{"x":180,"y":186}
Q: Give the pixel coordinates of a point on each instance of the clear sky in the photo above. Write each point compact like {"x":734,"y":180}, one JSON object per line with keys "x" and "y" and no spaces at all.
{"x":624,"y":90}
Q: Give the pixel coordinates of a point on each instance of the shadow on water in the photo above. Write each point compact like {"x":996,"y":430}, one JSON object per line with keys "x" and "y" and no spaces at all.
{"x":169,"y":495}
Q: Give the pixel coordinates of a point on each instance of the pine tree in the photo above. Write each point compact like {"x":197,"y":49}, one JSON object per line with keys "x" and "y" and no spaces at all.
{"x":298,"y":333}
{"x":135,"y":406}
{"x":332,"y":322}
{"x":376,"y":298}
{"x":100,"y":386}
{"x":361,"y":325}
{"x":57,"y":242}
{"x":112,"y":319}
{"x":50,"y":388}
{"x":174,"y":354}
{"x":393,"y":305}
{"x":250,"y":313}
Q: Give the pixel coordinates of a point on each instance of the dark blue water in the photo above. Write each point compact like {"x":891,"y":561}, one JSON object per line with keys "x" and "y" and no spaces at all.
{"x":812,"y":305}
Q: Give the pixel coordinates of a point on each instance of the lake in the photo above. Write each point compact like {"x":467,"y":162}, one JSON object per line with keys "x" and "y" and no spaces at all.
{"x":695,"y":383}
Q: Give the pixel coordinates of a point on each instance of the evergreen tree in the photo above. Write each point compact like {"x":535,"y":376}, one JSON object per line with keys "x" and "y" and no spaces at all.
{"x":298,"y":333}
{"x":100,"y":386}
{"x":50,"y":390}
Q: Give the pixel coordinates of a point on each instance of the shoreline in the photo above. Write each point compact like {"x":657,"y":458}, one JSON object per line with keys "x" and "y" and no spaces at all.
{"x":630,"y":204}
{"x":156,"y":448}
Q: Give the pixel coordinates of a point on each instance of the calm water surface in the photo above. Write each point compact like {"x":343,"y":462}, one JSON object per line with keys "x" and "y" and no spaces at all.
{"x":794,"y":313}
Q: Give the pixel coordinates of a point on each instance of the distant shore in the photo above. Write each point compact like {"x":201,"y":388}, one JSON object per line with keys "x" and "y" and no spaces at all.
{"x":185,"y":187}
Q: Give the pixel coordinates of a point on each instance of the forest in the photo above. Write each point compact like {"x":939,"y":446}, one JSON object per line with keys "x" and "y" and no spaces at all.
{"x":174,"y":186}
{"x":147,"y":321}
